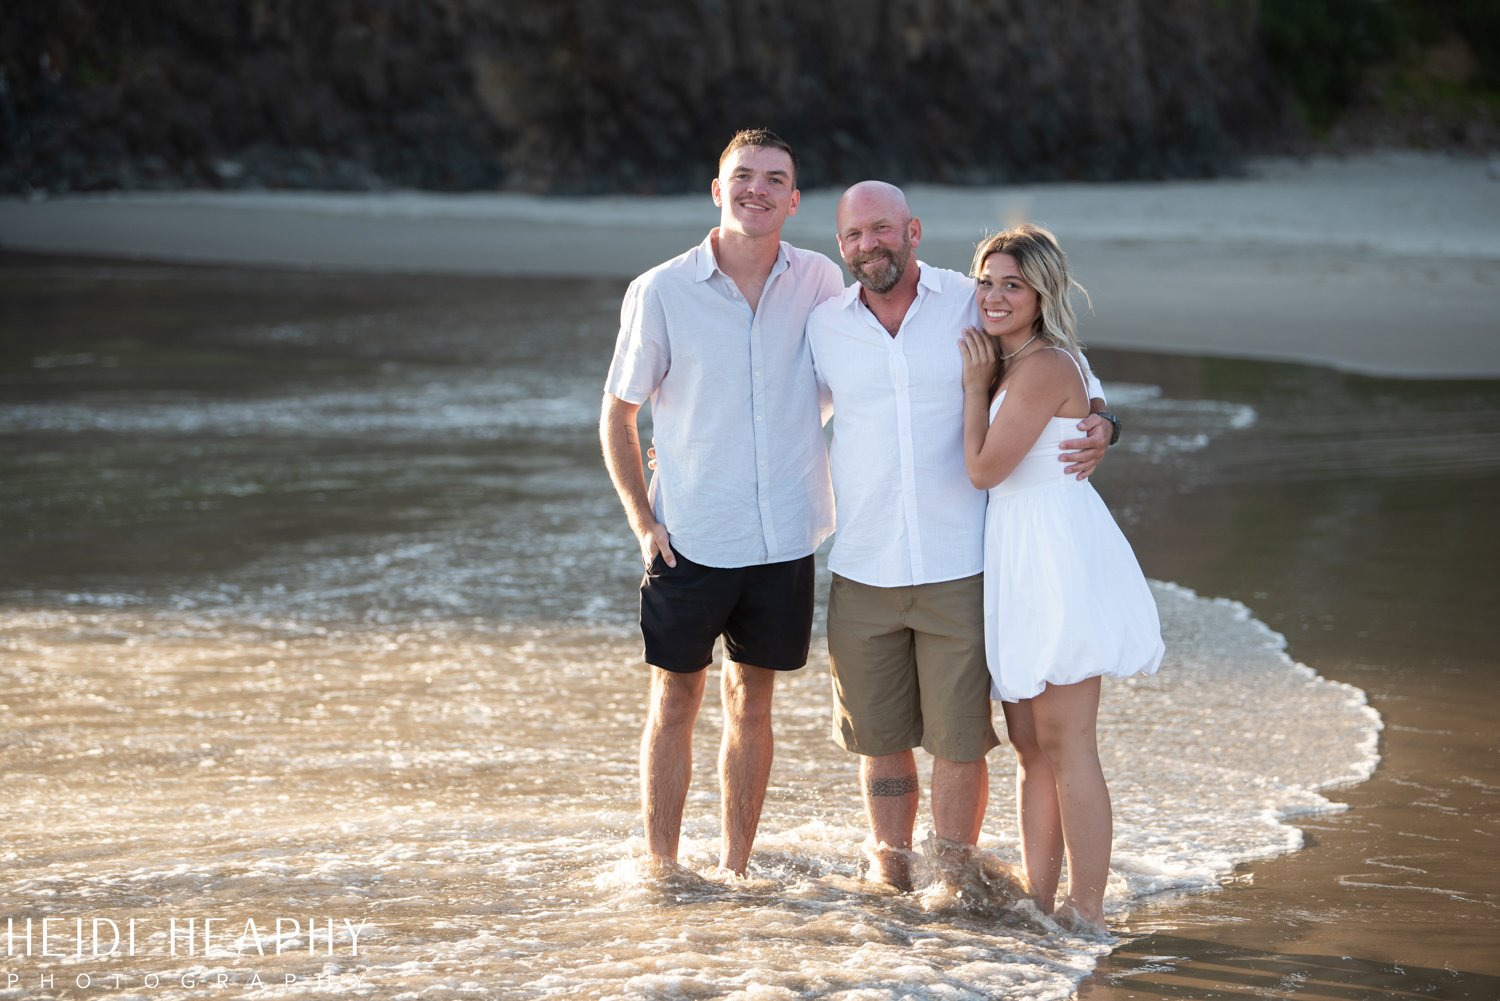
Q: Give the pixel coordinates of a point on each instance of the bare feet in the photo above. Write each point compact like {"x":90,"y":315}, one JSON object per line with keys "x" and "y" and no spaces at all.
{"x":1068,"y":916}
{"x":658,"y":874}
{"x":889,"y":865}
{"x":973,"y":880}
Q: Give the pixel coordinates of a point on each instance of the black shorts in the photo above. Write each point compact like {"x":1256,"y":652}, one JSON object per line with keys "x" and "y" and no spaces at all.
{"x":764,"y":613}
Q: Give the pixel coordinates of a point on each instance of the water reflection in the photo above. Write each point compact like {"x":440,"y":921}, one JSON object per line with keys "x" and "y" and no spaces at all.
{"x":317,"y":602}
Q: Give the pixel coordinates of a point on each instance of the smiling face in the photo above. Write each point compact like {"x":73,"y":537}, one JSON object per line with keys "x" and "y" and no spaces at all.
{"x":1008,"y":306}
{"x":877,"y":234}
{"x":756,"y":191}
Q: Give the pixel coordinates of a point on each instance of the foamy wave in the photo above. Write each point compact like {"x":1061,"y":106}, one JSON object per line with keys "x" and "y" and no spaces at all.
{"x":480,"y":408}
{"x":1161,"y":427}
{"x":471,"y":793}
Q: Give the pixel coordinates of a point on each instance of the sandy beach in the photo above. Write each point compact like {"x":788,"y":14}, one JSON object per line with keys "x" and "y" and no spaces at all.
{"x":1332,"y":262}
{"x":1347,"y":303}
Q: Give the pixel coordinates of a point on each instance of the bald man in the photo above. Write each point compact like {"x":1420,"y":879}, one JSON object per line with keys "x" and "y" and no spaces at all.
{"x":905,"y":608}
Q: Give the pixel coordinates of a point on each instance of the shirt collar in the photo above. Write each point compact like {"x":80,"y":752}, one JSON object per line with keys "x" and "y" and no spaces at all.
{"x":708,"y":263}
{"x":926,"y":279}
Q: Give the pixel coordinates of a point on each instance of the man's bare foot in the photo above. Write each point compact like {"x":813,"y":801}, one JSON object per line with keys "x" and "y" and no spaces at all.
{"x":889,"y":865}
{"x":953,"y":853}
{"x":967,"y":877}
{"x":672,"y":879}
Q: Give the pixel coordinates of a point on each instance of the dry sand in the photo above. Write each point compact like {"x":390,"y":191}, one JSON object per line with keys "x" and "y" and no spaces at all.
{"x":1385,"y":264}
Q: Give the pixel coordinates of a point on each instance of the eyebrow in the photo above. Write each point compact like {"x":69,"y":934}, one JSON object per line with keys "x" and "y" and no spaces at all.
{"x":871,"y":225}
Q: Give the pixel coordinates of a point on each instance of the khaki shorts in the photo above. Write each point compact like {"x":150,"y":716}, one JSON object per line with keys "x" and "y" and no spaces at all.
{"x":909,"y":670}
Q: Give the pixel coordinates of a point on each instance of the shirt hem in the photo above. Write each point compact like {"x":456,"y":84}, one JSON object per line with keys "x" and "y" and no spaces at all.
{"x":906,"y":583}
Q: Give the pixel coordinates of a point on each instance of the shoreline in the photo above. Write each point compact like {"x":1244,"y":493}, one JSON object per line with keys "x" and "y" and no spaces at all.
{"x":1347,"y":517}
{"x":1333,"y":262}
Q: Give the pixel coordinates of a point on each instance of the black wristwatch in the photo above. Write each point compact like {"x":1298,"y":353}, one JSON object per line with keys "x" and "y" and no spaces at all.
{"x":1114,"y":422}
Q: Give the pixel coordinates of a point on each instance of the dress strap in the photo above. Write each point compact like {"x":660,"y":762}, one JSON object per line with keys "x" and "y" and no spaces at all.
{"x":1053,"y":347}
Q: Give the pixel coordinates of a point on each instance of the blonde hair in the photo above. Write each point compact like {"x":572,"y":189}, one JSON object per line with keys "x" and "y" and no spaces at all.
{"x":1044,"y":266}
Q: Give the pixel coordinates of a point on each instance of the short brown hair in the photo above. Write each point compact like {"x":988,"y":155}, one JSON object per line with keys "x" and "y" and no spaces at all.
{"x":760,"y":138}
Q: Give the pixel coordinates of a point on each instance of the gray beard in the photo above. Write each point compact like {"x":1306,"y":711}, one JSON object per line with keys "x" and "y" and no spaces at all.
{"x":880,"y":279}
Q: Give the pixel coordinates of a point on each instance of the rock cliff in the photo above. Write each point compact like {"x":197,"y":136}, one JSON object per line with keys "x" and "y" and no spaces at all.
{"x":588,"y":96}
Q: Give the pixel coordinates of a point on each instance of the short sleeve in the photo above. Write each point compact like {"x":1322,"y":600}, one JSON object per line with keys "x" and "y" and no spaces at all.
{"x":831,"y":285}
{"x":642,"y":350}
{"x":1096,"y":391}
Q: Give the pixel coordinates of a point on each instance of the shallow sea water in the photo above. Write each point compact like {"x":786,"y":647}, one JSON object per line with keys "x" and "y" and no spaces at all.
{"x":317,"y":613}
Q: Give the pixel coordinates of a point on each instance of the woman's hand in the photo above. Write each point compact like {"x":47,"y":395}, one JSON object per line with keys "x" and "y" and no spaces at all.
{"x":980,"y":360}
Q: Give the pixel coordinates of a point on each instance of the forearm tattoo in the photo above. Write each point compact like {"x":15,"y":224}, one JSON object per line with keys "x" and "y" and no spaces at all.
{"x":903,"y":786}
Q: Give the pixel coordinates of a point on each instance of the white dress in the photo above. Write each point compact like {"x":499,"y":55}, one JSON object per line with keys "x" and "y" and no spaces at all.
{"x":1064,"y":598}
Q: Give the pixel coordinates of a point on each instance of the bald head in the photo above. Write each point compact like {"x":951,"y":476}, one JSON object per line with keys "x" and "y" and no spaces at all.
{"x":873,"y":196}
{"x":877,"y":235}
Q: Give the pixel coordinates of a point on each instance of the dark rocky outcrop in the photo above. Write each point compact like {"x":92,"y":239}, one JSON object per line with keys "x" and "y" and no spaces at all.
{"x":589,"y":96}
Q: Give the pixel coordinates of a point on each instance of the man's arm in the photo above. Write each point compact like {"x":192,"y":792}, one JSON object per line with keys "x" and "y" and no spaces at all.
{"x":620,"y":438}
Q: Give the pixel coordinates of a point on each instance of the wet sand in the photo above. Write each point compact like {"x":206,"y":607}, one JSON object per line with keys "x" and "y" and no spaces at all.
{"x":1351,"y":518}
{"x":1331,"y":262}
{"x":1355,"y":517}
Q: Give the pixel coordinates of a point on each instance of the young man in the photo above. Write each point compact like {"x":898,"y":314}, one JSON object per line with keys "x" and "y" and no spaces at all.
{"x":905,"y":609}
{"x":714,"y":339}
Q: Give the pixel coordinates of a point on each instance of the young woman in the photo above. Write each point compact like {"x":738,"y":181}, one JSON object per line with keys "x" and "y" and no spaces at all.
{"x":1065,"y":600}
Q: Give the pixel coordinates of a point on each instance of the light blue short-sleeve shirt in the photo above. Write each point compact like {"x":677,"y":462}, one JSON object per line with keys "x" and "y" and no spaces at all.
{"x":742,"y":472}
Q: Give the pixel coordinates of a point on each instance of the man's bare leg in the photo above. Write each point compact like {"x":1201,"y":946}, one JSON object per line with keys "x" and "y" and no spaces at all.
{"x":891,"y":795}
{"x":667,"y":757}
{"x":960,"y":793}
{"x":744,"y":759}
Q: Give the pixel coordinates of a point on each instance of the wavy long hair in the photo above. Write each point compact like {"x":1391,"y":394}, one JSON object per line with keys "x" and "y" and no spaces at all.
{"x":1045,"y":268}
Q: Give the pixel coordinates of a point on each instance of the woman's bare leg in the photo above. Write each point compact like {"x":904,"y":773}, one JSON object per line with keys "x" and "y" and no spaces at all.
{"x":1065,"y":717}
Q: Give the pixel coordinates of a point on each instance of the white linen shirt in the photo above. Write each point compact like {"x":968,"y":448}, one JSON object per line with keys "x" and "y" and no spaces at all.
{"x":742,"y":472}
{"x":907,"y":512}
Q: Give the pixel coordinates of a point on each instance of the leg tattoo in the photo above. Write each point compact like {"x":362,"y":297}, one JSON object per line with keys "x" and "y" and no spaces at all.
{"x":902,"y":786}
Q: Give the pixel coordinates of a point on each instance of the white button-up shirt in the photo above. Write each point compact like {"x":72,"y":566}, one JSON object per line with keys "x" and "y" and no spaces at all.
{"x":742,"y":473}
{"x":907,"y":511}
